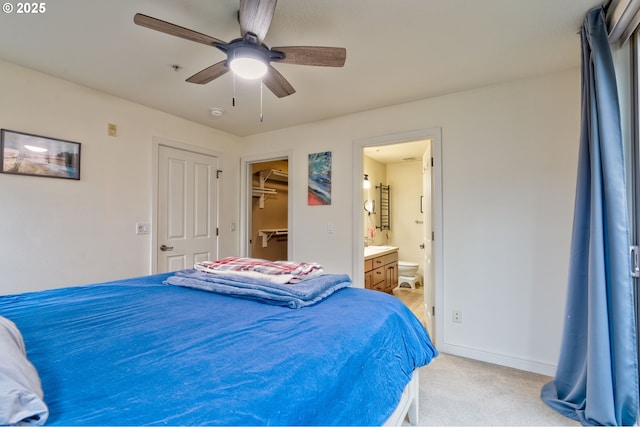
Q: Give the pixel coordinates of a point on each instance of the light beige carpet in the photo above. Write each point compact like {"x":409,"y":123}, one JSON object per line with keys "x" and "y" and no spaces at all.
{"x":455,"y":391}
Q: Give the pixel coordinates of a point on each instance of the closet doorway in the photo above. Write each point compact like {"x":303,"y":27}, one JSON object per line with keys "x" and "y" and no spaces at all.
{"x":268,"y":201}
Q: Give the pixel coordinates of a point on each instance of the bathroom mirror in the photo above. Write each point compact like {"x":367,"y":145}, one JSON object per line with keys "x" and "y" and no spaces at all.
{"x":370,"y":206}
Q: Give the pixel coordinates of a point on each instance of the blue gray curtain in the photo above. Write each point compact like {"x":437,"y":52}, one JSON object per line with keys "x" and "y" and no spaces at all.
{"x":596,"y":381}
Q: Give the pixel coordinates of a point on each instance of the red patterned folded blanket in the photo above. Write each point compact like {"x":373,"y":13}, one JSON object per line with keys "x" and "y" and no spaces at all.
{"x":276,"y":271}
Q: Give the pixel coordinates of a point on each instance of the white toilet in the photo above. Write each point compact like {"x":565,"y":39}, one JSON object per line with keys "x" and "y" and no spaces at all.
{"x":407,"y":274}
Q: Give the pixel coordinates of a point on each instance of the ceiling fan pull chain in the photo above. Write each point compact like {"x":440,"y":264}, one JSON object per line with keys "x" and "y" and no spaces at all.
{"x":261,"y":116}
{"x":233,"y":100}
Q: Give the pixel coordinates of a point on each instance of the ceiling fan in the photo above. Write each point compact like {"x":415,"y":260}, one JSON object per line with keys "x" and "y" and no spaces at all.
{"x":248,"y":56}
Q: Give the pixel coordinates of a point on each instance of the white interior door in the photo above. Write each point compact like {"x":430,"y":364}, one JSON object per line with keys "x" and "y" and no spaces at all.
{"x":427,"y":240}
{"x":187,"y":208}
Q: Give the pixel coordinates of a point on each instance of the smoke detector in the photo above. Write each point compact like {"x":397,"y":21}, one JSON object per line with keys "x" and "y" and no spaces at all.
{"x":215,"y":112}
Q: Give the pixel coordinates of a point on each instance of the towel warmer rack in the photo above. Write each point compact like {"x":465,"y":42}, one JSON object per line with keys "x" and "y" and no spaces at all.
{"x":385,"y":207}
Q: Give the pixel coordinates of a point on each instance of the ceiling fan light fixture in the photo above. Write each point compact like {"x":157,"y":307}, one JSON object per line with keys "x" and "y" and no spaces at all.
{"x":248,"y":57}
{"x":248,"y":63}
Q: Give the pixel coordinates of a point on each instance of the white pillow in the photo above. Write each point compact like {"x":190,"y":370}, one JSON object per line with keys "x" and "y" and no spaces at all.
{"x":20,"y":389}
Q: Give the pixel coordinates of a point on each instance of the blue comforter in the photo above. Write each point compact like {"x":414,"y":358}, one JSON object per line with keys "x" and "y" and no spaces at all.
{"x":137,"y":352}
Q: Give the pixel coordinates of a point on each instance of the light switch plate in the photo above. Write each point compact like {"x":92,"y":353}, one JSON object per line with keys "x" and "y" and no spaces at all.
{"x":142,"y":228}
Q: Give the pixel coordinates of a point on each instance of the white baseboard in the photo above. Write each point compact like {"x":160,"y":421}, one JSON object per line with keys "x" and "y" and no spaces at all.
{"x":499,"y":359}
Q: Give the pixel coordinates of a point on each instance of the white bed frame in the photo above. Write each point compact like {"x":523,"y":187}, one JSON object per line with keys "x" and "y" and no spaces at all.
{"x":408,"y":404}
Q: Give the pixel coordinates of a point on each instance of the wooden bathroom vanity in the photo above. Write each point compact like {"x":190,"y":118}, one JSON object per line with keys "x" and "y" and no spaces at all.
{"x":381,"y":268}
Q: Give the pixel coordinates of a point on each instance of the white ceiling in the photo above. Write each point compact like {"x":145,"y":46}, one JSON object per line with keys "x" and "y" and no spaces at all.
{"x":397,"y":51}
{"x":397,"y":153}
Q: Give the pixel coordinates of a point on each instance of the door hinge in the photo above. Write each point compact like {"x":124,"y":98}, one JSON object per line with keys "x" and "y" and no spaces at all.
{"x":433,"y":310}
{"x":218,"y":172}
{"x":635,"y":261}
{"x":432,"y":162}
{"x":217,"y":231}
{"x":433,"y":236}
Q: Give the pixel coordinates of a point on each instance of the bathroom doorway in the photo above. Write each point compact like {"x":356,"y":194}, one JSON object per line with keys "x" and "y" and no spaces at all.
{"x":409,"y":165}
{"x":267,"y":204}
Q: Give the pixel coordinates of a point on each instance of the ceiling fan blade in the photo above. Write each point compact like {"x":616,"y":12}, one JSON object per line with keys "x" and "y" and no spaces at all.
{"x":277,"y":83}
{"x":255,"y":17}
{"x":313,"y":55}
{"x":174,"y":30}
{"x":209,"y":73}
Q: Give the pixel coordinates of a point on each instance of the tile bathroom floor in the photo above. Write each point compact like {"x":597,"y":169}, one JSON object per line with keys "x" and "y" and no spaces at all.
{"x":413,"y":298}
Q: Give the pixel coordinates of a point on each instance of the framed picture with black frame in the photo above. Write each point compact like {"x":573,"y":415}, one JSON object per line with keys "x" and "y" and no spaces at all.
{"x":35,"y":155}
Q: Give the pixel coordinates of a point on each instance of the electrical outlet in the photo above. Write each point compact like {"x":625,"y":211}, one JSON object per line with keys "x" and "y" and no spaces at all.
{"x":457,"y":316}
{"x":329,"y":228}
{"x":112,"y":130}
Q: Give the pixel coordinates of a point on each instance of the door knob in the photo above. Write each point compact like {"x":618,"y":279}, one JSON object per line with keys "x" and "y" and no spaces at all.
{"x":166,"y":248}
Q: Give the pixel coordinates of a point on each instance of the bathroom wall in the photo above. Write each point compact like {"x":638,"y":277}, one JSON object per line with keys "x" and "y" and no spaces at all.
{"x":377,"y":173}
{"x":405,"y":180}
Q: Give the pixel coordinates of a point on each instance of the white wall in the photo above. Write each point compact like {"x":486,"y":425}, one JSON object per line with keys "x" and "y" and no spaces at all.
{"x":56,"y":232}
{"x":509,"y":155}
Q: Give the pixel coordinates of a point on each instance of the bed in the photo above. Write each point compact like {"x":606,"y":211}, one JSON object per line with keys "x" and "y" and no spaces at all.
{"x":143,"y":352}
